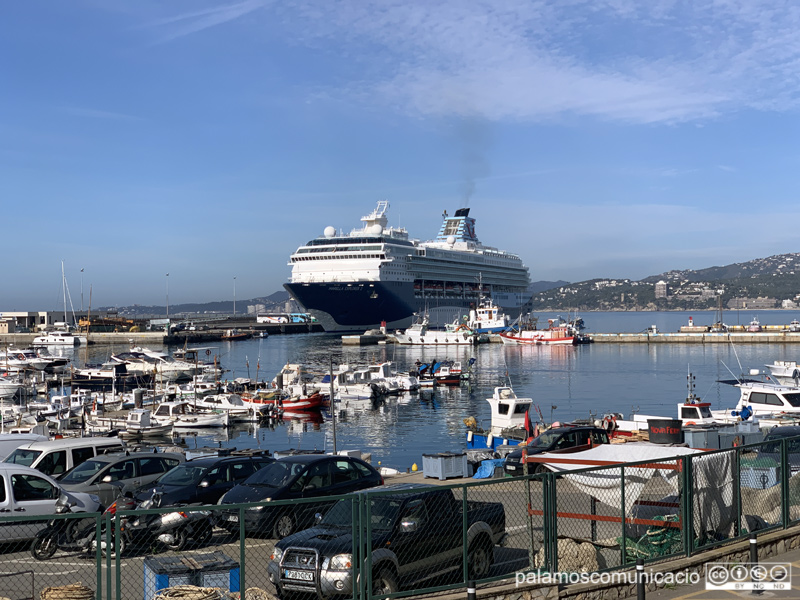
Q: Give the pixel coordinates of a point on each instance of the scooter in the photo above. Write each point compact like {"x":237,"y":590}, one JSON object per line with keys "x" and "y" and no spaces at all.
{"x":68,"y":534}
{"x":173,"y":529}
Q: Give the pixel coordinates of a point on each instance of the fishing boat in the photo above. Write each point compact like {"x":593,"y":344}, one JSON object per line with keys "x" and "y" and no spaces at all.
{"x":181,"y":414}
{"x":754,"y":326}
{"x":141,"y":424}
{"x":510,"y":421}
{"x":558,"y":333}
{"x":234,"y":334}
{"x":454,"y":334}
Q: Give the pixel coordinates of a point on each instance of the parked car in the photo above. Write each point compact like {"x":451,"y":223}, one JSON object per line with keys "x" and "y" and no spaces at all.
{"x":107,"y":475}
{"x":294,"y":477}
{"x":417,"y":534}
{"x":26,"y":491}
{"x":56,"y":457}
{"x":558,"y":439}
{"x":205,"y":479}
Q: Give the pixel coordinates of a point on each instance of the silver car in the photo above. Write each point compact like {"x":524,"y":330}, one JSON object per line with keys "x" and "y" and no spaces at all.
{"x":107,"y":475}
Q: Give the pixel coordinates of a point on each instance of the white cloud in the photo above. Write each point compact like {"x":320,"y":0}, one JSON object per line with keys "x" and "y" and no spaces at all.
{"x":195,"y":21}
{"x":532,"y":61}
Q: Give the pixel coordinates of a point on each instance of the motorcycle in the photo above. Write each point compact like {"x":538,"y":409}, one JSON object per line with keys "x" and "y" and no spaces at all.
{"x":68,"y":534}
{"x":173,"y":529}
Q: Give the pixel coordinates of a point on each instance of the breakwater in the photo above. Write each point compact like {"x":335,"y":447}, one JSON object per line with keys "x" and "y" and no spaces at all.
{"x":744,"y":337}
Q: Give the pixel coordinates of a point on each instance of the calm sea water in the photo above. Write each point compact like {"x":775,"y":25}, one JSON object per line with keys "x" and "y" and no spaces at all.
{"x":566,"y":383}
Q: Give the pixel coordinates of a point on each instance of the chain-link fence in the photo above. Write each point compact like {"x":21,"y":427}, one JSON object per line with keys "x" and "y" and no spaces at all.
{"x":408,"y":538}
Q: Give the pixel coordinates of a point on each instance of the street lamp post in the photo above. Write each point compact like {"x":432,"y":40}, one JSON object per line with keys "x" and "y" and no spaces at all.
{"x":167,"y":295}
{"x":234,"y":295}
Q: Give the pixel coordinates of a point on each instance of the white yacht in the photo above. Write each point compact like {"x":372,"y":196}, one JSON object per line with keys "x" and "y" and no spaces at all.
{"x":377,"y":275}
{"x":59,"y":338}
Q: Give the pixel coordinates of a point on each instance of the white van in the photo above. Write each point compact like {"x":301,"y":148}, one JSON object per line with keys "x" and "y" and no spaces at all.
{"x":28,"y":492}
{"x":56,"y":457}
{"x":11,"y":441}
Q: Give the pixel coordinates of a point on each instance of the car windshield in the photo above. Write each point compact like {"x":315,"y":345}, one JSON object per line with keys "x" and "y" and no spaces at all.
{"x":83,"y":472}
{"x":23,"y":457}
{"x":544,"y":440}
{"x":383,"y":513}
{"x":183,"y":475}
{"x":277,"y":474}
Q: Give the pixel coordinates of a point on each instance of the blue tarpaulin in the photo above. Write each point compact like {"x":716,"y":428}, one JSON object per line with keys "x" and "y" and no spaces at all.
{"x":486,"y":470}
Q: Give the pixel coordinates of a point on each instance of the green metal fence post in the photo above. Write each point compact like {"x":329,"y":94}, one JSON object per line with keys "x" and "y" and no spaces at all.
{"x":737,"y":491}
{"x":529,"y":522}
{"x":624,"y":545}
{"x":98,"y":556}
{"x":786,"y":472}
{"x":117,"y":557}
{"x":464,"y":539}
{"x":551,"y":518}
{"x":355,"y":532}
{"x":687,"y":518}
{"x":242,"y":559}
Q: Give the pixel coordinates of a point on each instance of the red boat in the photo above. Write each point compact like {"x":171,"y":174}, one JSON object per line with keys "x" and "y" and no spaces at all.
{"x":313,"y":402}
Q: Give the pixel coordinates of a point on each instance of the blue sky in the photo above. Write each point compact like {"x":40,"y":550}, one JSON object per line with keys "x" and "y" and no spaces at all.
{"x":208,"y":140}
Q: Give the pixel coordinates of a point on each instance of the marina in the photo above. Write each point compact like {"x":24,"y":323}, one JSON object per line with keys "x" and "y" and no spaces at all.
{"x":565,"y":382}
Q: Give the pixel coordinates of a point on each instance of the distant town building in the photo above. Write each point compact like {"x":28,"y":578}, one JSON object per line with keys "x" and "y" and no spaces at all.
{"x":254,"y":309}
{"x":752,"y":303}
{"x":662,"y":289}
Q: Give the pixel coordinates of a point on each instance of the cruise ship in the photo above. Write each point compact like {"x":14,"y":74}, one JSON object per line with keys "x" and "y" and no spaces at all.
{"x":376,"y":275}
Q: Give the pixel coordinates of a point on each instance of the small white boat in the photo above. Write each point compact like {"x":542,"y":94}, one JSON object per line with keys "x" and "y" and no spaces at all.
{"x":455,"y":334}
{"x":237,"y":409}
{"x":181,"y":414}
{"x":140,"y":424}
{"x":59,"y":338}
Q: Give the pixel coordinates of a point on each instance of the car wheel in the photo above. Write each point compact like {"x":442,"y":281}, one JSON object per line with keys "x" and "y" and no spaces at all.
{"x":384,"y":582}
{"x":480,"y":559}
{"x":540,"y":468}
{"x":283,"y":526}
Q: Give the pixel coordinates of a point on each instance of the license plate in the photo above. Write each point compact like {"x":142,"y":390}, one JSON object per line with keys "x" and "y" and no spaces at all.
{"x":301,"y":575}
{"x":511,"y":468}
{"x":233,"y":518}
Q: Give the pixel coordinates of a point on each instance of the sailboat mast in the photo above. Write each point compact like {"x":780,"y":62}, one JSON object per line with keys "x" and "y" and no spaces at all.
{"x":64,"y":289}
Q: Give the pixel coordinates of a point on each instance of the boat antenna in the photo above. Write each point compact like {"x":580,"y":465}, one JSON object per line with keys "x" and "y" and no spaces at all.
{"x":733,"y":346}
{"x":731,"y":372}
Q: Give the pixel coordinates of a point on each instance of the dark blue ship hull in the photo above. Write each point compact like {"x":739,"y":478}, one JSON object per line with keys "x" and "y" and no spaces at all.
{"x":357,"y":306}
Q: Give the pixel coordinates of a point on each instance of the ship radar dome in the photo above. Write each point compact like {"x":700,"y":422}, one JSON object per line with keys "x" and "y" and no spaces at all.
{"x":375,"y":229}
{"x":329,"y":232}
{"x":451,"y":239}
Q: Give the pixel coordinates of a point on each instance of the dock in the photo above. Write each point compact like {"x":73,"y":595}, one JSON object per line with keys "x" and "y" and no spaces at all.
{"x":736,"y":337}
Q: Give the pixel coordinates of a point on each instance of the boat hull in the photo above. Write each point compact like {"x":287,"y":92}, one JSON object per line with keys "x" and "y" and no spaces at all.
{"x":356,"y":306}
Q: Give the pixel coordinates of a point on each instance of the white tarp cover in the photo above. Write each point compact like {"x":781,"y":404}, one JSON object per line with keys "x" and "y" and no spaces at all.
{"x":606,"y":484}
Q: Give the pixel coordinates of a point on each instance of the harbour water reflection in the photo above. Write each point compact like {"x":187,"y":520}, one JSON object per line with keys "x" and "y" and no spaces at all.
{"x":566,"y":383}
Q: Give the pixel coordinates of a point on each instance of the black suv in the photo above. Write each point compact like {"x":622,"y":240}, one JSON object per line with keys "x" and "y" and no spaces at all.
{"x":566,"y":439}
{"x":291,"y":478}
{"x":205,"y":479}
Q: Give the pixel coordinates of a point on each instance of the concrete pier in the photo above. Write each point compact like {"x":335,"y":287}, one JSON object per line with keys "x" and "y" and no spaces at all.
{"x":743,"y":337}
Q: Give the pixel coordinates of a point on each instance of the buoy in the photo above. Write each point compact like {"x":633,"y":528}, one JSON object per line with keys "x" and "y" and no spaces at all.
{"x":414,"y":467}
{"x":489,"y":440}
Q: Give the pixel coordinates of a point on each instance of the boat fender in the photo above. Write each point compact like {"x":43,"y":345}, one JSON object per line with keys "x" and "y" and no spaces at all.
{"x":489,"y":440}
{"x":469,"y":436}
{"x":610,"y":423}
